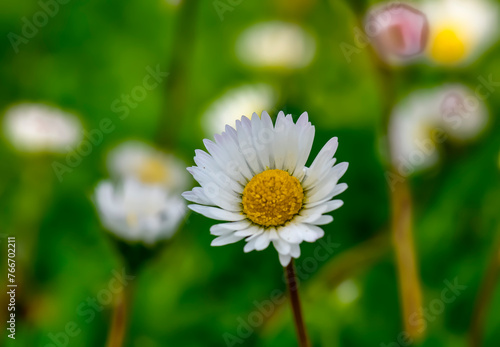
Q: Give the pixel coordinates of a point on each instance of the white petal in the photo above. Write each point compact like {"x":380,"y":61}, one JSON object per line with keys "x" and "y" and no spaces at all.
{"x":340,"y":188}
{"x":225,"y":240}
{"x":320,"y":163}
{"x":312,"y":233}
{"x":333,"y":205}
{"x":250,"y":246}
{"x":322,"y":220}
{"x":306,"y":138}
{"x":245,"y":141}
{"x":279,"y":143}
{"x":290,"y":233}
{"x":217,"y":213}
{"x":251,"y":230}
{"x":224,"y":228}
{"x":198,"y":196}
{"x":282,"y":246}
{"x":295,"y":250}
{"x":284,"y":259}
{"x":262,"y":241}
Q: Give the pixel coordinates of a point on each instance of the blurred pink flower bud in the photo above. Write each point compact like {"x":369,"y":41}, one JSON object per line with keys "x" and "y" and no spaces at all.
{"x":397,"y":31}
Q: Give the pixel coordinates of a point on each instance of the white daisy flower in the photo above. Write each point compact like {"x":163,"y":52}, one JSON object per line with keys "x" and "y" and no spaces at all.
{"x":460,"y":30}
{"x":426,"y":118}
{"x":237,"y":102}
{"x":137,"y":212}
{"x":140,"y":161}
{"x":34,"y":127}
{"x":255,"y":179}
{"x":276,"y":44}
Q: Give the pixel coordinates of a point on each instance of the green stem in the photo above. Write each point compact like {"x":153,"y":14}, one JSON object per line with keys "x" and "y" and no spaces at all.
{"x":176,"y":86}
{"x":402,"y":210}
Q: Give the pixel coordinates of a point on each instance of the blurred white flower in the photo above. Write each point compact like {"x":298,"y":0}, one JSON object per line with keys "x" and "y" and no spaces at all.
{"x":464,"y":114}
{"x":426,"y":118}
{"x":276,"y":44}
{"x":34,"y":127}
{"x":237,"y":102}
{"x":460,"y":30}
{"x":138,"y":160}
{"x":398,"y":31}
{"x":137,"y":212}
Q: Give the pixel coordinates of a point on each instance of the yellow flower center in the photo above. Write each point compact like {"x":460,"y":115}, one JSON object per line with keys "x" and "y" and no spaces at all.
{"x":153,"y":171}
{"x":448,"y":47}
{"x":131,"y":220}
{"x":272,"y":198}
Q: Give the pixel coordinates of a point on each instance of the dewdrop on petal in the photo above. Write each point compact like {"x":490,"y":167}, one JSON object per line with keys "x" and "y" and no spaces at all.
{"x":236,"y":102}
{"x":276,"y":44}
{"x":460,"y":30}
{"x":144,"y":163}
{"x":136,"y":212}
{"x":33,"y":128}
{"x":397,"y":31}
{"x":254,"y":179}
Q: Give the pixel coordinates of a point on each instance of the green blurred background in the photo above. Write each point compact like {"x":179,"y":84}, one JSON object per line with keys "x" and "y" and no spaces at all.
{"x":91,"y":52}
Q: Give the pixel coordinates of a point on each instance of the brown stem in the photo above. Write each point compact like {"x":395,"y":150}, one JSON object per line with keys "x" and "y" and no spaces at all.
{"x":292,"y":283}
{"x":485,"y":295}
{"x":408,"y":276}
{"x":117,"y":332}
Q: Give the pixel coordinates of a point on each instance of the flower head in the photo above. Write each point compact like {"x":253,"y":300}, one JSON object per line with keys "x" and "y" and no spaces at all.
{"x":276,"y":44}
{"x":426,"y":118}
{"x":254,"y":177}
{"x":398,"y":31}
{"x":144,"y":163}
{"x":137,"y":212}
{"x":41,"y":128}
{"x":460,"y":30}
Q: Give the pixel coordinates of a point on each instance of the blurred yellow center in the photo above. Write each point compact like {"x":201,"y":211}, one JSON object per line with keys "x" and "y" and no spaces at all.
{"x":153,"y":171}
{"x":448,"y":47}
{"x":131,"y":220}
{"x":272,"y":198}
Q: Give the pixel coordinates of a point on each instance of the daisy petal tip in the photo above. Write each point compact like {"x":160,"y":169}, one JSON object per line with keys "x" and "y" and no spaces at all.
{"x":194,"y":207}
{"x":248,"y":248}
{"x":208,"y":143}
{"x":216,"y":243}
{"x":284,"y":259}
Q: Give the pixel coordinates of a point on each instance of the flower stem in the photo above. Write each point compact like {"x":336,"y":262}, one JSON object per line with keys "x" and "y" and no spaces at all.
{"x":406,"y":261}
{"x":485,"y":295}
{"x":176,"y":85}
{"x":292,"y":282}
{"x":116,"y":336}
